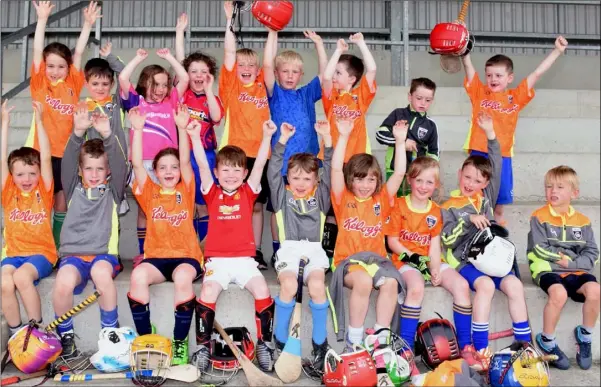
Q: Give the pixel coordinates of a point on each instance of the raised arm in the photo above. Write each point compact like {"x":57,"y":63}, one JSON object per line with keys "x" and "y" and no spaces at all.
{"x":182,"y":118}
{"x":322,"y":55}
{"x":229,"y":45}
{"x":269,"y":60}
{"x":5,"y":122}
{"x":560,"y":47}
{"x":468,"y":66}
{"x":215,"y":107}
{"x":180,"y":71}
{"x":125,"y":75}
{"x":70,"y":160}
{"x":328,"y":74}
{"x":43,"y":10}
{"x":204,"y":169}
{"x":114,"y":62}
{"x":368,"y":58}
{"x":137,"y":121}
{"x":254,"y":180}
{"x":399,"y":130}
{"x":180,"y":28}
{"x":274,"y":170}
{"x":90,"y":14}
{"x":116,"y":157}
{"x":44,"y":142}
{"x":345,"y":127}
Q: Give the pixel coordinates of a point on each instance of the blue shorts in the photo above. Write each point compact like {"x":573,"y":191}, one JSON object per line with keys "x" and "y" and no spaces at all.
{"x":84,"y":268}
{"x":471,"y":274}
{"x":168,"y":265}
{"x":41,"y":264}
{"x":506,"y":187}
{"x":212,"y":159}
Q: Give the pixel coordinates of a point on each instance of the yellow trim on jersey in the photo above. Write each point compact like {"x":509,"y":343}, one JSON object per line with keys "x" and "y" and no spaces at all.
{"x":226,"y":130}
{"x":279,"y":219}
{"x":417,"y":210}
{"x":31,"y":135}
{"x":113,"y":245}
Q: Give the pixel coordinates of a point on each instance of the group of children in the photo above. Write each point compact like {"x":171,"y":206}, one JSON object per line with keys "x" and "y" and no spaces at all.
{"x":314,"y":174}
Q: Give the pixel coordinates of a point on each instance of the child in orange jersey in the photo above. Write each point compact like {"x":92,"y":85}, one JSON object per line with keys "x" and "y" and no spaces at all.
{"x":56,"y":82}
{"x":413,"y":235}
{"x":171,"y":250}
{"x":28,"y":252}
{"x":362,"y":205}
{"x":244,"y":98}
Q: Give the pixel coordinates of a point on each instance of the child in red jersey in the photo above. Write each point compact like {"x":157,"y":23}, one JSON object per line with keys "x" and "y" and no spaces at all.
{"x":28,"y":251}
{"x":171,"y":253}
{"x":230,"y":242}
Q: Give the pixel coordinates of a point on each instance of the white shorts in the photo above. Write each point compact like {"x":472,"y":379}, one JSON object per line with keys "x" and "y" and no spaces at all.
{"x":406,"y":267}
{"x":149,"y":171}
{"x":225,"y":271}
{"x":290,"y":252}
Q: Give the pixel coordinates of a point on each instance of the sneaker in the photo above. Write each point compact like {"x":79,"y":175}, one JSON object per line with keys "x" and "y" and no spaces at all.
{"x":200,"y":358}
{"x":265,"y":352}
{"x":70,"y":351}
{"x":319,"y":355}
{"x":153,"y":329}
{"x":562,"y":362}
{"x":179,"y":348}
{"x":583,"y":350}
{"x":273,"y":257}
{"x":260,"y":260}
{"x":477,"y":360}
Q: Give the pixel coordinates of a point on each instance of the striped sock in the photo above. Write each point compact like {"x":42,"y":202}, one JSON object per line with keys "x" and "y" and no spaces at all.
{"x":480,"y":335}
{"x":141,"y":238}
{"x":57,"y":226}
{"x":522,"y":332}
{"x":409,"y":321}
{"x":109,"y":318}
{"x":65,"y":327}
{"x":462,"y":315}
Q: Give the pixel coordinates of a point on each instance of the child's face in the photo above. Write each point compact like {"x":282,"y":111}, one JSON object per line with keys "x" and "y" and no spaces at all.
{"x":247,"y":69}
{"x":56,"y":68}
{"x":289,"y":75}
{"x":560,"y":193}
{"x":198,"y":72}
{"x":301,"y":183}
{"x":342,"y":80}
{"x":498,"y":78}
{"x":424,"y":184}
{"x":26,"y":177}
{"x":230,"y":177}
{"x":421,"y":99}
{"x":471,"y":181}
{"x":99,"y":87}
{"x":94,"y":171}
{"x":159,"y":89}
{"x":168,"y":172}
{"x":364,"y":188}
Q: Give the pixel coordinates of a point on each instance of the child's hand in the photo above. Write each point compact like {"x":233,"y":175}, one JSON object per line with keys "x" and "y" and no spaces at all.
{"x":81,"y":119}
{"x":341,"y":45}
{"x":345,"y":126}
{"x":182,"y":116}
{"x":106,"y":49}
{"x":163,"y":53}
{"x":194,"y":128}
{"x":141,"y":53}
{"x":561,"y":43}
{"x":269,"y":128}
{"x":102,"y":124}
{"x":209,"y":81}
{"x":182,"y":22}
{"x":485,"y":122}
{"x":410,"y":145}
{"x":43,"y":9}
{"x":91,"y":13}
{"x":287,"y":131}
{"x":6,"y":113}
{"x":357,"y":38}
{"x":399,"y":131}
{"x":435,"y":275}
{"x":228,"y":7}
{"x":38,"y":109}
{"x":136,"y":119}
{"x":563,"y":262}
{"x":322,"y":127}
{"x":480,"y":221}
{"x":313,"y":36}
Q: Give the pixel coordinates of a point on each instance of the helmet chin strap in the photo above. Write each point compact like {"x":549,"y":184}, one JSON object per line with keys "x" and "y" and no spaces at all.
{"x":239,"y":6}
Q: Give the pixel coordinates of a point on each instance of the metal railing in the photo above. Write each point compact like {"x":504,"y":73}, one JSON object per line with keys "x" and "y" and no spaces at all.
{"x":27,"y":30}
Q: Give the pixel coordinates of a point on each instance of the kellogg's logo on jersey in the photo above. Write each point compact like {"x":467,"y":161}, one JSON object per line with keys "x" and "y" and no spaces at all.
{"x":354,"y":224}
{"x":159,"y":213}
{"x":342,"y":111}
{"x":35,"y":218}
{"x":260,"y":103}
{"x":494,"y":105}
{"x":415,"y":237}
{"x":62,"y":108}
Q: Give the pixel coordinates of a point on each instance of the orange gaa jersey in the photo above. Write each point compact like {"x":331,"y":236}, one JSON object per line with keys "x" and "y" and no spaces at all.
{"x":59,"y":101}
{"x":504,"y":108}
{"x":27,"y":226}
{"x":246,"y":108}
{"x":169,"y":231}
{"x":354,"y":105}
{"x":414,"y":227}
{"x":361,"y":224}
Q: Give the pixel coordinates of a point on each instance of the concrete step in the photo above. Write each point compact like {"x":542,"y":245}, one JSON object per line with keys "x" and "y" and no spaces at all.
{"x":235,"y":308}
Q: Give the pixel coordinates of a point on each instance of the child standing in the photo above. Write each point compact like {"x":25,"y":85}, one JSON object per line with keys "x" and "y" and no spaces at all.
{"x":563,"y":266}
{"x":56,"y":82}
{"x":28,"y":251}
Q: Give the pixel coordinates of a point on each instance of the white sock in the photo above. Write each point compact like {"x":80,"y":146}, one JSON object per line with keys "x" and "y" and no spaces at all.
{"x":15,"y":329}
{"x":355,"y":335}
{"x":382,"y":336}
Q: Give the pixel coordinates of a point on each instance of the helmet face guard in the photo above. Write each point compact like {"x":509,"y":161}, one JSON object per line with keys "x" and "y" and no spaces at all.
{"x":437,"y":342}
{"x":395,"y":355}
{"x":222,"y":357}
{"x":32,"y":349}
{"x":150,"y":353}
{"x":509,"y":367}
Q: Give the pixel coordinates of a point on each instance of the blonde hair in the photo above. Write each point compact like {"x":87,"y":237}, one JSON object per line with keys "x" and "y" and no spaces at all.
{"x":422,"y":163}
{"x":288,"y":56}
{"x":247,"y":53}
{"x":563,"y":173}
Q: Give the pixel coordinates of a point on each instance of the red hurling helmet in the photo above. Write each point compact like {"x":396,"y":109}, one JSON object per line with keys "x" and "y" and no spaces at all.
{"x":273,"y":14}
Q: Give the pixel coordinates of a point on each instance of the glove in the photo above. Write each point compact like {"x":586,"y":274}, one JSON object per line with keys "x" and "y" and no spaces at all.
{"x":420,"y":262}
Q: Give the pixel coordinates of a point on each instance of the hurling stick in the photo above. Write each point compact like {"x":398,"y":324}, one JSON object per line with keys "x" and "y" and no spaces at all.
{"x":254,"y":376}
{"x":17,"y":379}
{"x":289,"y":367}
{"x":182,"y":373}
{"x":73,"y":311}
{"x":534,"y":360}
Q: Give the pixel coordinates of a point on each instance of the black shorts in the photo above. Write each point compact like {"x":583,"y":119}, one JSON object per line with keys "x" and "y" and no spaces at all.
{"x":167,"y":265}
{"x":572,"y":283}
{"x":264,"y":195}
{"x":56,"y":173}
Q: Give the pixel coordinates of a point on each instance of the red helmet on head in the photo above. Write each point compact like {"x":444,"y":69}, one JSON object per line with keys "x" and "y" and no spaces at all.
{"x":449,"y":38}
{"x":273,"y":14}
{"x":349,"y":369}
{"x":437,"y":342}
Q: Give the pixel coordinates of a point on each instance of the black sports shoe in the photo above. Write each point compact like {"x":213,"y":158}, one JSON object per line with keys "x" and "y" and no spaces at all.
{"x":273,"y":258}
{"x":70,"y":351}
{"x":260,"y":260}
{"x":319,"y":354}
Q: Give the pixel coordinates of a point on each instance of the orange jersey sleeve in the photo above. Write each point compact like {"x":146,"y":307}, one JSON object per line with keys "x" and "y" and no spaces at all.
{"x":504,"y":108}
{"x":169,"y":231}
{"x":246,"y":108}
{"x":27,"y":225}
{"x":59,"y":100}
{"x":354,"y":105}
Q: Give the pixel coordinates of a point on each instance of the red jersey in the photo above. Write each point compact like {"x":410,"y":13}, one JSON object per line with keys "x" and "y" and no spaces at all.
{"x":230,"y":222}
{"x":199,"y":110}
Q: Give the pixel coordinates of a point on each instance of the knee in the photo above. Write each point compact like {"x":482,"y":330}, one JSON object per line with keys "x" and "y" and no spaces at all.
{"x":209,"y":292}
{"x":515,"y":288}
{"x":461,"y":288}
{"x":317,"y":288}
{"x":558,"y":296}
{"x":8,"y":284}
{"x":390,"y":286}
{"x":138,"y":279}
{"x":363,"y":285}
{"x":484,"y":286}
{"x":183,"y":279}
{"x":22,"y":279}
{"x":63,"y":289}
{"x":415,"y":292}
{"x":288,"y":288}
{"x":591,"y":292}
